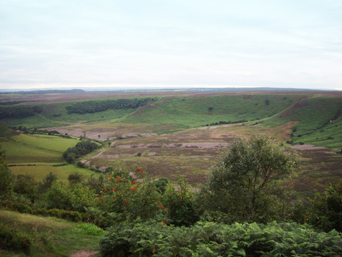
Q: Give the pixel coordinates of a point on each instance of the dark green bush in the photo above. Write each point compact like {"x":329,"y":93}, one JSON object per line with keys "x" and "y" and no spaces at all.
{"x":75,"y":177}
{"x":326,"y":209}
{"x":12,"y":240}
{"x":161,"y":184}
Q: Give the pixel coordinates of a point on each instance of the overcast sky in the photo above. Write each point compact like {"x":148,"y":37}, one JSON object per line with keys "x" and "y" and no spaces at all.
{"x":168,"y":43}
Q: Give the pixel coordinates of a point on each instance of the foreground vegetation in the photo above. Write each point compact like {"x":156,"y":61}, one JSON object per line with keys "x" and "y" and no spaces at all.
{"x":157,"y":218}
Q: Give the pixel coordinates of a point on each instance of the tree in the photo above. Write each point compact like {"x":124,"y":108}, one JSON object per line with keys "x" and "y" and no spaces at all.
{"x":6,"y":179}
{"x":244,"y":182}
{"x":47,"y":183}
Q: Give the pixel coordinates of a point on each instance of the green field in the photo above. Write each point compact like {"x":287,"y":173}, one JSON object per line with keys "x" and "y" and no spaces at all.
{"x":39,"y":171}
{"x":35,"y":148}
{"x":19,"y":153}
{"x":37,"y":154}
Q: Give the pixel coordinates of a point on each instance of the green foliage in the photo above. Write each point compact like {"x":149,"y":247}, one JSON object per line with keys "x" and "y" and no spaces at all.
{"x":243,"y":182}
{"x":100,"y":106}
{"x":58,"y":197}
{"x":6,"y":181}
{"x":12,"y":240}
{"x":326,"y":209}
{"x":211,"y":239}
{"x":26,"y":185}
{"x":180,"y":201}
{"x":89,"y":229}
{"x":82,"y":197}
{"x":75,"y":197}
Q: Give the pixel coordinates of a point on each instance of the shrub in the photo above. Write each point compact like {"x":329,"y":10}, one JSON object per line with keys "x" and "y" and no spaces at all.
{"x":47,"y":183}
{"x":180,"y":201}
{"x":161,"y":184}
{"x":58,"y":196}
{"x":16,"y":206}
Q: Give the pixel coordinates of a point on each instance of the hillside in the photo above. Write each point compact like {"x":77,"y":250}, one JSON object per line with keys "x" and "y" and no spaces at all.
{"x":182,"y":132}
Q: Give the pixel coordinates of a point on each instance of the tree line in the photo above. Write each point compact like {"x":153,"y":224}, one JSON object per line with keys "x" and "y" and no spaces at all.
{"x":18,"y":112}
{"x":100,"y":106}
{"x":81,"y":148}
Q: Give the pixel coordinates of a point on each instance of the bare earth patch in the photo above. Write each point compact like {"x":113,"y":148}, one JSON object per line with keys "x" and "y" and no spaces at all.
{"x":83,"y":254}
{"x":283,"y":131}
{"x":307,"y":147}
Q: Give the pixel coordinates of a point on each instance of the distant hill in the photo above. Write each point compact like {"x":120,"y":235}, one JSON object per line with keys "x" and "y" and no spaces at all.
{"x":31,"y":92}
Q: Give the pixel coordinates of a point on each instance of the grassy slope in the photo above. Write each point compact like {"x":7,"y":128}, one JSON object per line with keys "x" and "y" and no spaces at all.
{"x":53,"y":143}
{"x":48,"y":117}
{"x":194,"y":112}
{"x":51,"y":236}
{"x":313,"y":116}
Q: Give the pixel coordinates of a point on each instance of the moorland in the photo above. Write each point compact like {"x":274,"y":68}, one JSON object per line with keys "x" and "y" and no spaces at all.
{"x":174,"y":137}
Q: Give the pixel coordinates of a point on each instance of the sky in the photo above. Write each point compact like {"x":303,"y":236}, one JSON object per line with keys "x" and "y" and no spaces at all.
{"x":170,"y":43}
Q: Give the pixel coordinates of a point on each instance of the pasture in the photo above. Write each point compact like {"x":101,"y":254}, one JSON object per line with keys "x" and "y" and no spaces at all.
{"x":35,"y":148}
{"x":39,"y":171}
{"x":38,"y":155}
{"x":17,"y":152}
